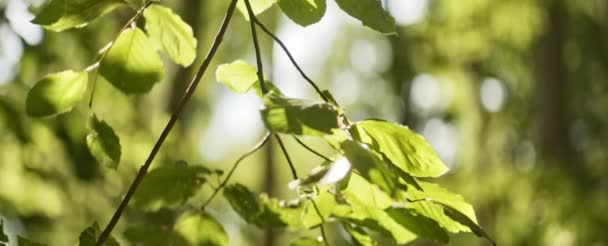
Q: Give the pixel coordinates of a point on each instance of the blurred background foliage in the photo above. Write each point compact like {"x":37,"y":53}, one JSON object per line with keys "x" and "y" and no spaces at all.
{"x":513,"y":95}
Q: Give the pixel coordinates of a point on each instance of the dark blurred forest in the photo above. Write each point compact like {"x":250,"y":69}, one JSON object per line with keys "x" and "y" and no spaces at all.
{"x":512,"y":94}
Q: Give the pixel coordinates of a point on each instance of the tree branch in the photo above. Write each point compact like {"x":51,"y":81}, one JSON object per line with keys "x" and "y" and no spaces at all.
{"x":291,"y":166}
{"x":187,"y":95}
{"x":293,"y":61}
{"x":312,"y":150}
{"x":256,"y":45}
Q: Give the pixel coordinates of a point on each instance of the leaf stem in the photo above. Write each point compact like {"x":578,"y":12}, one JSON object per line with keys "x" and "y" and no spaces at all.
{"x":225,"y":181}
{"x":256,"y":46}
{"x":293,"y":61}
{"x":312,"y":150}
{"x":105,"y":52}
{"x":291,"y":166}
{"x":174,"y":116}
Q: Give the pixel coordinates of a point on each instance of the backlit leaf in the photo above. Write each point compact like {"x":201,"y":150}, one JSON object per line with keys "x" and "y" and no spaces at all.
{"x":103,"y":142}
{"x":169,"y":186}
{"x":171,"y":34}
{"x":59,"y":15}
{"x":56,"y":93}
{"x":406,"y":149}
{"x":423,"y":227}
{"x":132,"y":64}
{"x":262,"y":211}
{"x":370,"y":13}
{"x":303,"y":12}
{"x":239,"y":76}
{"x":298,"y":116}
{"x":307,"y":241}
{"x":359,"y":236}
{"x":258,"y":6}
{"x":325,"y":203}
{"x":148,"y":234}
{"x":199,"y":229}
{"x":464,"y":219}
{"x":370,"y":166}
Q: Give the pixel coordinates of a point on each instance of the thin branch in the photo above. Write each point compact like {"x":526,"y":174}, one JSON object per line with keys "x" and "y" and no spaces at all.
{"x":293,"y":61}
{"x":314,"y":204}
{"x":253,"y":150}
{"x":105,"y":52}
{"x":187,"y":95}
{"x":256,"y":45}
{"x":291,"y":166}
{"x":312,"y":150}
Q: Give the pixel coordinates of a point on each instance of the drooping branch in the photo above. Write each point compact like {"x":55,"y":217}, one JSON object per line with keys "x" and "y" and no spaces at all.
{"x":236,"y":164}
{"x":174,"y":117}
{"x":293,"y":61}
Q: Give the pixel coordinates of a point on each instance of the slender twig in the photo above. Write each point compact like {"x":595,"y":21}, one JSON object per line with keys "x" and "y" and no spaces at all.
{"x":291,"y":166}
{"x":312,"y":150}
{"x":256,"y":45}
{"x":225,"y":181}
{"x":106,"y":51}
{"x":174,"y":116}
{"x":293,"y":61}
{"x":314,"y":204}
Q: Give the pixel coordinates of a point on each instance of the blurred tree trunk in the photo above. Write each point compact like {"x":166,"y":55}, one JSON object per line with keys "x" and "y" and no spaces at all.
{"x":401,"y":75}
{"x":552,"y":97}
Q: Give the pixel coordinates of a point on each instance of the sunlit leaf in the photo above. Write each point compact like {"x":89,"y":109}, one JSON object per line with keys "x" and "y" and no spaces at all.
{"x":406,"y":149}
{"x":258,"y":6}
{"x":370,"y":13}
{"x":464,"y":219}
{"x":171,"y":34}
{"x":169,"y":186}
{"x":298,"y":116}
{"x":307,"y":241}
{"x":89,"y":236}
{"x":26,"y":242}
{"x":262,"y":211}
{"x":426,"y":203}
{"x":132,"y":64}
{"x":148,"y":234}
{"x":359,"y":236}
{"x":199,"y":229}
{"x":56,"y":93}
{"x":368,"y":204}
{"x":103,"y":142}
{"x":370,"y":166}
{"x":325,"y":203}
{"x":59,"y":15}
{"x":303,"y":12}
{"x":239,"y":76}
{"x":420,"y":225}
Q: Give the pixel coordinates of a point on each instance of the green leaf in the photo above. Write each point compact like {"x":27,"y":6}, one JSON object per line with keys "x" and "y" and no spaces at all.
{"x":368,"y":205}
{"x":3,"y":236}
{"x":303,"y":12}
{"x":306,"y":241}
{"x":239,"y":76}
{"x":26,"y":242}
{"x":148,"y":234}
{"x":262,"y":211}
{"x":418,"y":224}
{"x":370,"y":166}
{"x":258,"y":6}
{"x":59,"y":15}
{"x":89,"y":236}
{"x":194,"y":229}
{"x":171,"y":34}
{"x":298,"y":116}
{"x":325,"y":202}
{"x":406,"y":149}
{"x":359,"y":236}
{"x":103,"y":142}
{"x":169,"y":186}
{"x":132,"y":64}
{"x":56,"y":93}
{"x":464,"y":219}
{"x":370,"y":13}
{"x":430,"y":204}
